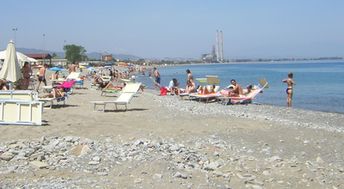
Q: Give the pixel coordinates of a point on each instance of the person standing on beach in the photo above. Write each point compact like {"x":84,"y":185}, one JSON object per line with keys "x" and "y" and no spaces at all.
{"x":156,"y":74}
{"x":41,"y":76}
{"x":189,"y":75}
{"x":26,"y":71}
{"x":290,"y":84}
{"x":72,"y":68}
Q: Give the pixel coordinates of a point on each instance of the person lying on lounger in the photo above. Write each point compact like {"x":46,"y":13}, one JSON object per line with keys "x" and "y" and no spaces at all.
{"x":55,"y":93}
{"x":98,"y":81}
{"x":248,"y":90}
{"x":111,"y":86}
{"x":205,"y":90}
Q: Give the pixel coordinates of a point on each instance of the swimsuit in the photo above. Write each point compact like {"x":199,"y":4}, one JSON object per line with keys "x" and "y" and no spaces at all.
{"x":289,"y":90}
{"x":157,"y":79}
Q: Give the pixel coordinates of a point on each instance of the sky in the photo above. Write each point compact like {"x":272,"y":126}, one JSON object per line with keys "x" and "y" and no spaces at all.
{"x":178,"y":28}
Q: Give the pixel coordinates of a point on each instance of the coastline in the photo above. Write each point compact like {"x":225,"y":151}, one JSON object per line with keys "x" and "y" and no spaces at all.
{"x":163,"y":141}
{"x":260,"y":62}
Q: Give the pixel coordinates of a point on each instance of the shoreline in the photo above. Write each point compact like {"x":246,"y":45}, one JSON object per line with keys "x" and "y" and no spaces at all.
{"x":164,"y":141}
{"x":320,"y":120}
{"x":260,"y":62}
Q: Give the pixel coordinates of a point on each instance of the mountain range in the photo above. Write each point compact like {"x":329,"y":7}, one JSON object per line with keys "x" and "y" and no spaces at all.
{"x":91,"y":55}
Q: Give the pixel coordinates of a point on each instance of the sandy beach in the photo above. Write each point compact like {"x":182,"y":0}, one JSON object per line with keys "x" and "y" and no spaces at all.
{"x":165,"y":141}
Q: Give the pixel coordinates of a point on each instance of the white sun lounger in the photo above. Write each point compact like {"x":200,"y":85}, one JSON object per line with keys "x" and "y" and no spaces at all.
{"x":73,"y":75}
{"x":125,"y":97}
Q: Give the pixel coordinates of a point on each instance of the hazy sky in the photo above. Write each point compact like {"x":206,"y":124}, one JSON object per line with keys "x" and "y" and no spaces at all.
{"x":178,"y":28}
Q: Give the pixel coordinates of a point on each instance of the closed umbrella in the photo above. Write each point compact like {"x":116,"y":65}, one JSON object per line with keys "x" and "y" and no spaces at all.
{"x":11,"y":69}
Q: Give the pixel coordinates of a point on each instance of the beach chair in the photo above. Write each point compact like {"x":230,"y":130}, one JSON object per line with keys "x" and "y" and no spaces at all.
{"x":52,"y":100}
{"x":212,"y":80}
{"x":67,"y":87}
{"x":73,"y":76}
{"x":206,"y":97}
{"x":124,"y":98}
{"x":245,"y":99}
{"x":20,"y":107}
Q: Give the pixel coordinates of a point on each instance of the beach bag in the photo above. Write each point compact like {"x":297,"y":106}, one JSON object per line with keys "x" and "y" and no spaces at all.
{"x":163,"y":91}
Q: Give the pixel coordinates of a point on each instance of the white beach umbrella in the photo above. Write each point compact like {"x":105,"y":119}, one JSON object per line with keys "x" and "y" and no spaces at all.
{"x":11,"y":68}
{"x":22,"y":58}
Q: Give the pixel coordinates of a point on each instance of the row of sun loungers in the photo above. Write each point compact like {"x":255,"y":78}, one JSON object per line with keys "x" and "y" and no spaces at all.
{"x":24,"y":107}
{"x":217,"y":96}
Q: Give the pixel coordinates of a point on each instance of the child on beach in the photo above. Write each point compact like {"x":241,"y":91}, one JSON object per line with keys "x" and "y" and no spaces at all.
{"x":290,"y":83}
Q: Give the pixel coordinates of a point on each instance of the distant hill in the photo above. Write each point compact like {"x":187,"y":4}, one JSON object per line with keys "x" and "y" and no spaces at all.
{"x":91,"y":55}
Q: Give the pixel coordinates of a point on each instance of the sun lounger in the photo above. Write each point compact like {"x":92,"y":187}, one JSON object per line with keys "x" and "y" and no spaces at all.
{"x":244,"y":99}
{"x":52,"y":100}
{"x":128,"y":88}
{"x":204,"y":97}
{"x":125,"y":97}
{"x":73,"y":76}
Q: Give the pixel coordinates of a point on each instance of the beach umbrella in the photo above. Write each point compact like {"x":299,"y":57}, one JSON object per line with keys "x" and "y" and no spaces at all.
{"x":11,"y":69}
{"x":22,"y":58}
{"x":56,"y":69}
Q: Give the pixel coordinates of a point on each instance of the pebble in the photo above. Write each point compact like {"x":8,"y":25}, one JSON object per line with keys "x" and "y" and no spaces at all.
{"x":211,"y":166}
{"x":39,"y":164}
{"x":93,"y":162}
{"x":181,"y":175}
{"x":138,"y":180}
{"x":7,"y":156}
{"x":183,"y":160}
{"x":157,"y":176}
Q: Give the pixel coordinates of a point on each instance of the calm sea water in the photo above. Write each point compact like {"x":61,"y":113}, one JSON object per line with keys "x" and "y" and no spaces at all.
{"x":319,"y":85}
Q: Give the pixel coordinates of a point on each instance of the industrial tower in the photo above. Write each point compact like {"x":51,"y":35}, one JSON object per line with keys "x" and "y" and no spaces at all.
{"x":219,"y":46}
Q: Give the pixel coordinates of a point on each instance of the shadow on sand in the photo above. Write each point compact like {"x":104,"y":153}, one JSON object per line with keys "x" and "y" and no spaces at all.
{"x":128,"y":110}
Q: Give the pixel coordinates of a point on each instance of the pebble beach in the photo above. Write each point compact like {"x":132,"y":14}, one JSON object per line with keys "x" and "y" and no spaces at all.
{"x":170,"y":142}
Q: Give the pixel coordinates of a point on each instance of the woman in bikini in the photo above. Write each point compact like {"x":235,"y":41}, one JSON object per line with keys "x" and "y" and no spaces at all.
{"x":290,"y":83}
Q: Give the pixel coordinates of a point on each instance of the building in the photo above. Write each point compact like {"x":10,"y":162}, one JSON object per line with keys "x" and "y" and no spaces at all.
{"x":208,"y":58}
{"x":59,"y":62}
{"x":42,"y":58}
{"x":107,"y":58}
{"x":216,"y":54}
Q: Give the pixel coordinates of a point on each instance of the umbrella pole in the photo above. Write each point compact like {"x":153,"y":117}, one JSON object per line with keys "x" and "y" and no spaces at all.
{"x":10,"y":85}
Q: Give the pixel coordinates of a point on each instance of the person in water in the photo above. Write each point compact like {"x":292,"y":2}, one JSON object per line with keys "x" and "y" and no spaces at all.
{"x":290,"y":84}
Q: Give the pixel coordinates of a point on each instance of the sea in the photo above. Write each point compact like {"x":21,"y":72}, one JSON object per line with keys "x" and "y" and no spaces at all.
{"x":319,"y":84}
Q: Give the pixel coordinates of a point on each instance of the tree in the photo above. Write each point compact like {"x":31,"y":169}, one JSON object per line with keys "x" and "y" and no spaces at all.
{"x":74,"y":53}
{"x":54,"y":55}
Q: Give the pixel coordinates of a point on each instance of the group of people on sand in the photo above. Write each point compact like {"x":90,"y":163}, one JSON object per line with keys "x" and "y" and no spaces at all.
{"x":233,"y":90}
{"x":190,"y":87}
